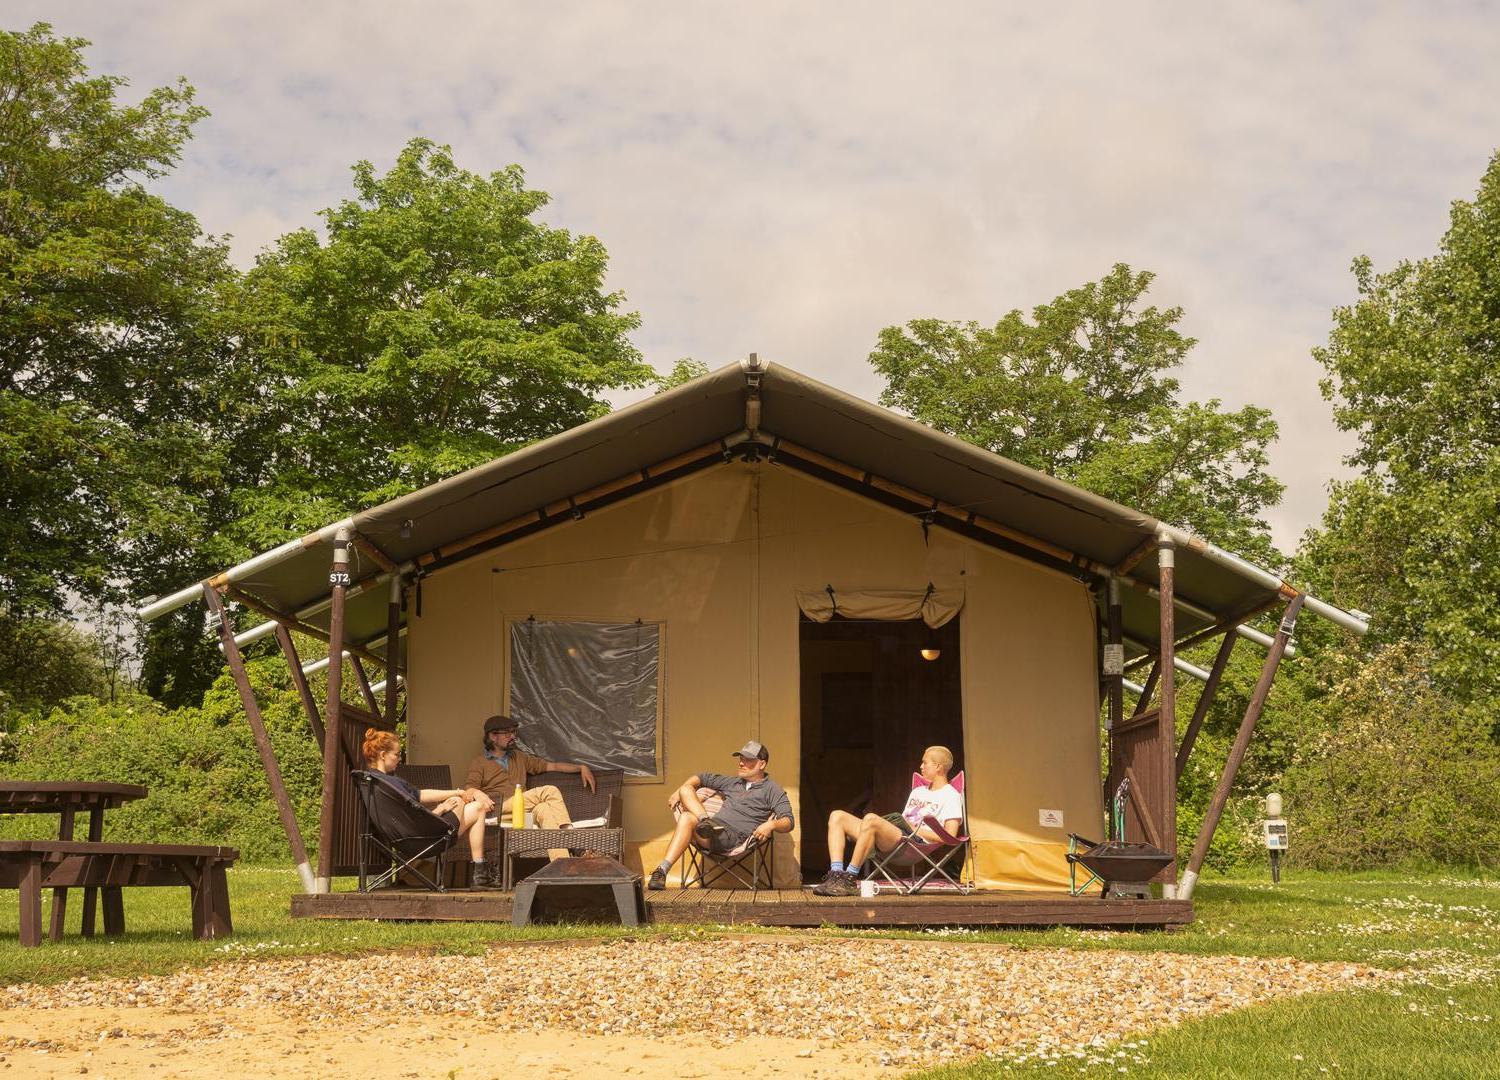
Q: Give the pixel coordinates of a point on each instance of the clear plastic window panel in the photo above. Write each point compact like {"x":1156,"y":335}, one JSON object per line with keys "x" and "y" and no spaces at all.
{"x":587,"y":692}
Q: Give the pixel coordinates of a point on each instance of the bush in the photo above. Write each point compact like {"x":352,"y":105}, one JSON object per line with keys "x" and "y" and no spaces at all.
{"x":1396,"y":773}
{"x":200,"y":765}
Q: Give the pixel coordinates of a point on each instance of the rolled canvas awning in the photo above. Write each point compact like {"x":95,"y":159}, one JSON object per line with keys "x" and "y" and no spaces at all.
{"x":789,"y":420}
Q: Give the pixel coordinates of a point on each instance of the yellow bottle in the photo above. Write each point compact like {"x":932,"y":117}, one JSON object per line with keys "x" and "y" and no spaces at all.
{"x":518,"y":810}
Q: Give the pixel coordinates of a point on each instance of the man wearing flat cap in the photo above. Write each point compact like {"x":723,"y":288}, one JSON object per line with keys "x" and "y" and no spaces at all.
{"x":754,"y":805}
{"x":494,"y":774}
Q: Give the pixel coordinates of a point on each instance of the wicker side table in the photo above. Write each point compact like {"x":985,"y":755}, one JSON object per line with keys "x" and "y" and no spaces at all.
{"x":534,"y":843}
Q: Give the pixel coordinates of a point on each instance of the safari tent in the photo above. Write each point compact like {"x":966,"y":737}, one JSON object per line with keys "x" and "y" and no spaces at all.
{"x":754,"y":554}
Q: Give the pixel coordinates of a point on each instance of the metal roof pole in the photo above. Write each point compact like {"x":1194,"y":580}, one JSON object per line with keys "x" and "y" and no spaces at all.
{"x":338,"y":580}
{"x":280,"y":553}
{"x":1237,"y":751}
{"x":1265,"y":577}
{"x":1166,"y":717}
{"x":262,"y":740}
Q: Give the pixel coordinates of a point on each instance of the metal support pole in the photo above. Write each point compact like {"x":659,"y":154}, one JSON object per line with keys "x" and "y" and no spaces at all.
{"x":299,"y":680}
{"x":392,"y":650}
{"x":1205,"y":699}
{"x":1237,"y":751}
{"x":338,"y":580}
{"x":262,"y":739}
{"x":1166,"y":720}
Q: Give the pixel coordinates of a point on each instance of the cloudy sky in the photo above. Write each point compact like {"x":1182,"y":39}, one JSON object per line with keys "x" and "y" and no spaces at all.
{"x":788,"y":178}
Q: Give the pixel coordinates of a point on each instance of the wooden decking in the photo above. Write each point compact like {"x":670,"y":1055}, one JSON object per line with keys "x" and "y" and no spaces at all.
{"x":779,"y":907}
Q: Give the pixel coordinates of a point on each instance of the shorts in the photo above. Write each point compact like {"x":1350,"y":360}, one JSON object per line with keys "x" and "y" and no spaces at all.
{"x":900,"y":823}
{"x":449,"y":818}
{"x":727,"y":839}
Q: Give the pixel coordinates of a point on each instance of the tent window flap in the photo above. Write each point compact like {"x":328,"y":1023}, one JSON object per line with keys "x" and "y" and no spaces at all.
{"x":588,"y":692}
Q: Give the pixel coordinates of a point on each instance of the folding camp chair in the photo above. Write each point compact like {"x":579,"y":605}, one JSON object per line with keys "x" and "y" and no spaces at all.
{"x":916,"y":862}
{"x":405,"y":830}
{"x":749,"y":864}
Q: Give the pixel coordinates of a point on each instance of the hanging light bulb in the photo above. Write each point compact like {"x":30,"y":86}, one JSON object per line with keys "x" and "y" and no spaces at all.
{"x":931,"y":650}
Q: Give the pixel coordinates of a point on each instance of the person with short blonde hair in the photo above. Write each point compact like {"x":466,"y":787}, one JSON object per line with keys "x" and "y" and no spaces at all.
{"x":934,"y":797}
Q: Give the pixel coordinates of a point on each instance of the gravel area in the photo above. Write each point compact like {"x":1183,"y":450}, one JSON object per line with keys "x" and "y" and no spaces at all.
{"x":902,"y":1003}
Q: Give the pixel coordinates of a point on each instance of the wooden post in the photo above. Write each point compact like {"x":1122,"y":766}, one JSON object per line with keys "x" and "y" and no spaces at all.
{"x":1114,"y":657}
{"x":1241,"y":742}
{"x":392,"y":650}
{"x":338,"y":580}
{"x":299,"y":680}
{"x":1166,"y":719}
{"x":364,"y":685}
{"x":262,"y":739}
{"x":1144,"y":701}
{"x":1210,"y":689}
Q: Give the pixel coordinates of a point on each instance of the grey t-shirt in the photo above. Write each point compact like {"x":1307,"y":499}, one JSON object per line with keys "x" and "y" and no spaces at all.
{"x":747,"y":808}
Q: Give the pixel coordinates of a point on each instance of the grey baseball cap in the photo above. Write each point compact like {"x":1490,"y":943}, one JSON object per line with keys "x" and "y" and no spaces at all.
{"x":753,"y":749}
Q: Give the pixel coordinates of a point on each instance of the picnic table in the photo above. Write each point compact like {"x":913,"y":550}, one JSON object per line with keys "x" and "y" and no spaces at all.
{"x":67,"y":799}
{"x":99,"y":868}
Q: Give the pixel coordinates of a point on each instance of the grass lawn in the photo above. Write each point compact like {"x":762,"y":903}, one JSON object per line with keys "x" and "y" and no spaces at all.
{"x":1442,"y":929}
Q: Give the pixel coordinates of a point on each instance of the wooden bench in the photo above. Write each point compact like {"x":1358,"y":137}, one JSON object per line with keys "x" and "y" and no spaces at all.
{"x":34,"y":865}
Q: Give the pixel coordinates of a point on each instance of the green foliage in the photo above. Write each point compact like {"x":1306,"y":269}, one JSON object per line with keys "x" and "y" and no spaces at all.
{"x":104,"y":290}
{"x":1083,"y":391}
{"x":44,"y":661}
{"x":205,"y":777}
{"x":685,"y":370}
{"x":1411,"y":369}
{"x":1398,"y":771}
{"x":438,"y":326}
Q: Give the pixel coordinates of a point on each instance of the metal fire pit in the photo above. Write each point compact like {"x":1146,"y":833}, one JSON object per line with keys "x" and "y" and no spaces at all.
{"x":579,"y":888}
{"x":1116,"y":860}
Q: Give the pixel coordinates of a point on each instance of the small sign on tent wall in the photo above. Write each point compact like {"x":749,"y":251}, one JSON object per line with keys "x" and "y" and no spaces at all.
{"x":1050,"y":819}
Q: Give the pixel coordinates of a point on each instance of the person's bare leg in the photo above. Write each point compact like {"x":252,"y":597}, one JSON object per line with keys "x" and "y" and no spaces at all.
{"x":472,"y":823}
{"x":842,"y":827}
{"x":682,"y":836}
{"x":874,"y":832}
{"x":691,"y":803}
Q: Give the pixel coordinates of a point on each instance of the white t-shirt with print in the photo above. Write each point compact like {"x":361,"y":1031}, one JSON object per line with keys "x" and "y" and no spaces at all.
{"x":945,"y":804}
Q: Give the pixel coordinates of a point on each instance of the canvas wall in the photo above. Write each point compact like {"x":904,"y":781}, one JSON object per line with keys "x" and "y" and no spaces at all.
{"x":717,"y":558}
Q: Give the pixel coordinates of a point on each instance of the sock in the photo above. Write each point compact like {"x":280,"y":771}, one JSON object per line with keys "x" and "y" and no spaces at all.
{"x":666,"y":864}
{"x":854,"y":869}
{"x":478,"y":862}
{"x":835,"y":867}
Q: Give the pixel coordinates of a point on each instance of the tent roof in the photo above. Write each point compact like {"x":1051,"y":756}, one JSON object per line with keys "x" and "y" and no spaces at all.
{"x":776,"y":412}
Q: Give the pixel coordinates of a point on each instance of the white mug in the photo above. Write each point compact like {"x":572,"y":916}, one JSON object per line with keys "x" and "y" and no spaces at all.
{"x":867,"y":888}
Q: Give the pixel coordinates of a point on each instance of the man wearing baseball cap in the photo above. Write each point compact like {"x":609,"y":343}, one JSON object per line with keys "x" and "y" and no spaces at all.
{"x":494,"y":774}
{"x":754,"y":805}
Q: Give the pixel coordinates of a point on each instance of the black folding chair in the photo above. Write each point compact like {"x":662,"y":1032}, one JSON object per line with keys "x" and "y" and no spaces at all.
{"x":404,"y":829}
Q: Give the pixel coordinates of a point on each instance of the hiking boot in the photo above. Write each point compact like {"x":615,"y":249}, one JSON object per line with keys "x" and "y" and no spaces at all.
{"x":709,"y":830}
{"x":837,"y":883}
{"x":484,"y":878}
{"x":658,"y":880}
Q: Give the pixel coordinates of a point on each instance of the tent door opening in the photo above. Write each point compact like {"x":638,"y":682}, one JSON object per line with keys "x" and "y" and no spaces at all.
{"x":870,"y":705}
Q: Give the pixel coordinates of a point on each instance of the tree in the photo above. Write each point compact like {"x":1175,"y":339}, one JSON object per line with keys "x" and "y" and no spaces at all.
{"x":1082,"y":391}
{"x":438,"y":326}
{"x":1413,"y":368}
{"x":104,"y":292}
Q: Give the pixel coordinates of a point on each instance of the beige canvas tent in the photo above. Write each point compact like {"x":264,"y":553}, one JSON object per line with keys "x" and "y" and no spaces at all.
{"x":757,"y":555}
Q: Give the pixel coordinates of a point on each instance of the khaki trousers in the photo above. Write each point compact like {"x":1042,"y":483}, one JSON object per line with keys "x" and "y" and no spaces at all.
{"x":548,"y":811}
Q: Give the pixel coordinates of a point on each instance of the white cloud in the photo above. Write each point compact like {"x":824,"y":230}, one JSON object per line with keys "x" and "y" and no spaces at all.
{"x":788,"y":178}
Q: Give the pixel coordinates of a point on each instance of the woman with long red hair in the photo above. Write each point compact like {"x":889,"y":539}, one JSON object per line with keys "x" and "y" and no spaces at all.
{"x":382,"y":753}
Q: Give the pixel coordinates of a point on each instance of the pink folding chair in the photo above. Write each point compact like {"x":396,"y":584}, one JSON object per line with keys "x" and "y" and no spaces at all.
{"x":917,"y":862}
